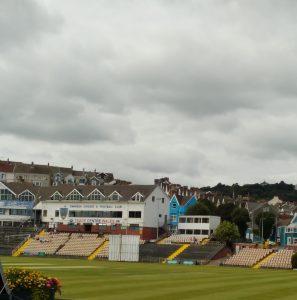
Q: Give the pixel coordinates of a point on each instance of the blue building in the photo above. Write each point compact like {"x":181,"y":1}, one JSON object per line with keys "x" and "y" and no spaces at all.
{"x":287,"y":235}
{"x":178,"y":207}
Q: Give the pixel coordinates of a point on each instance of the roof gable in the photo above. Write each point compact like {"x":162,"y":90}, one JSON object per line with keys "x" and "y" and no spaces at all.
{"x":96,"y":190}
{"x":72,"y":192}
{"x":174,"y":200}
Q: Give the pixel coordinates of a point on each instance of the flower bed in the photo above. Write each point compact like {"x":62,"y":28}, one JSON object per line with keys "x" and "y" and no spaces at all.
{"x":32,"y":285}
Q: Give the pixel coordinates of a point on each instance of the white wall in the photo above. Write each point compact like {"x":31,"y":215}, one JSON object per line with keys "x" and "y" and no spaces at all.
{"x":214,"y":222}
{"x":51,"y":206}
{"x":156,"y":208}
{"x":149,"y":210}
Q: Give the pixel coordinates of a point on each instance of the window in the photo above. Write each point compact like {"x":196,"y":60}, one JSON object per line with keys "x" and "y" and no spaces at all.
{"x":134,"y":227}
{"x":82,"y":181}
{"x":160,"y":215}
{"x":74,"y":195}
{"x":56,"y":196}
{"x":26,"y":196}
{"x":205,"y":232}
{"x":94,"y":182}
{"x":44,"y":213}
{"x":163,"y":200}
{"x":205,"y":220}
{"x":182,"y":220}
{"x":197,"y":231}
{"x":153,"y":198}
{"x":57,"y":214}
{"x":95,"y":195}
{"x":138,"y":197}
{"x":189,"y":231}
{"x":173,"y":218}
{"x":197,"y":220}
{"x":115,"y":196}
{"x":2,"y":211}
{"x":181,"y":231}
{"x":134,"y":214}
{"x":189,"y":220}
{"x":173,"y":205}
{"x":6,"y":195}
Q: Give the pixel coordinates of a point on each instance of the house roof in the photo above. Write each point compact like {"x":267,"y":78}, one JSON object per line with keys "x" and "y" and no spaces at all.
{"x":45,"y":193}
{"x":31,"y":169}
{"x":284,"y":221}
{"x":6,"y":167}
{"x":19,"y":187}
{"x":253,"y":206}
{"x":182,"y":200}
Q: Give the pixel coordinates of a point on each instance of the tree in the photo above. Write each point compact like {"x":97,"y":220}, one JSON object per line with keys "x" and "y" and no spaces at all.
{"x":225,"y":211}
{"x":227,"y":232}
{"x":268,"y":220}
{"x":240,"y":217}
{"x":212,"y":208}
{"x":294,"y":261}
{"x":198,"y":209}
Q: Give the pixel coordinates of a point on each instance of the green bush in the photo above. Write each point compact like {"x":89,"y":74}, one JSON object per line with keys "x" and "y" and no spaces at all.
{"x":294,"y":261}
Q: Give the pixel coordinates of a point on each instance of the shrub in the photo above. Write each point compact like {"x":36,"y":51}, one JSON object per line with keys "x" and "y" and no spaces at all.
{"x":32,"y":285}
{"x":294,"y":261}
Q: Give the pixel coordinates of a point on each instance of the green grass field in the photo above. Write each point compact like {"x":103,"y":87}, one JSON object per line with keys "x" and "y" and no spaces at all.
{"x":84,"y":279}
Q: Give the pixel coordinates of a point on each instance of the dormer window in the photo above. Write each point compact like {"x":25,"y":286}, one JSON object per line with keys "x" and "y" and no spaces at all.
{"x":26,"y":196}
{"x":56,"y":196}
{"x":74,"y":195}
{"x":137,"y":197}
{"x":82,"y":181}
{"x":5,"y":194}
{"x":96,"y":195}
{"x":173,"y":205}
{"x":115,"y":196}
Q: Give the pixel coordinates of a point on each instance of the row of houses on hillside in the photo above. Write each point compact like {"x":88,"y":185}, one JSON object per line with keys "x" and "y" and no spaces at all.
{"x":47,"y":175}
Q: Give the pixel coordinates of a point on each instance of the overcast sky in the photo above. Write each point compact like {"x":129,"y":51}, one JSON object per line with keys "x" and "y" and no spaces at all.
{"x":200,"y":91}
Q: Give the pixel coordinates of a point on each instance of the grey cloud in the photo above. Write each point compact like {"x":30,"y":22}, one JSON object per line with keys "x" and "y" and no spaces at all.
{"x":23,"y":22}
{"x":201,"y":90}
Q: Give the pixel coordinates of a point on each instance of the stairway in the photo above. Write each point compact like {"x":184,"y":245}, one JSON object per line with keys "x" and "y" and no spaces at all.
{"x":261,"y":262}
{"x":26,"y":243}
{"x":177,"y":252}
{"x":19,"y":251}
{"x":94,"y":254}
{"x":160,"y":242}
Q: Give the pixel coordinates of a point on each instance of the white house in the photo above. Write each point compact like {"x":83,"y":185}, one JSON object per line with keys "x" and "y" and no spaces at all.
{"x":121,"y":209}
{"x":199,"y":226}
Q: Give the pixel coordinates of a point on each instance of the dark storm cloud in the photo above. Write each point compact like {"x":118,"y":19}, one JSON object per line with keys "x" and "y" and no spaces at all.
{"x":201,"y":90}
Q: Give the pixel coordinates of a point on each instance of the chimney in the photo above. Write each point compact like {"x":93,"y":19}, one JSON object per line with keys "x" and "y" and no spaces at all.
{"x":71,"y":167}
{"x":48,"y":164}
